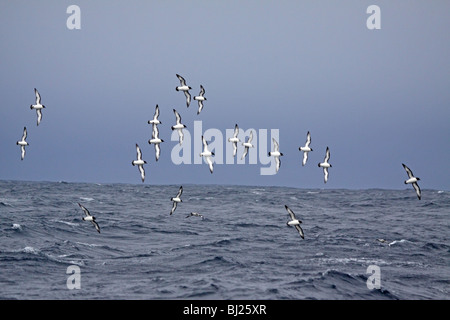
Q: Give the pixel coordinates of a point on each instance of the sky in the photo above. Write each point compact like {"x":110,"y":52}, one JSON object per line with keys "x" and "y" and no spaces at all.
{"x":376,"y":97}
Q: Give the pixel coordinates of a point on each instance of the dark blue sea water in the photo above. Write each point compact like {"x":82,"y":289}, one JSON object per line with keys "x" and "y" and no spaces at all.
{"x":242,"y":249}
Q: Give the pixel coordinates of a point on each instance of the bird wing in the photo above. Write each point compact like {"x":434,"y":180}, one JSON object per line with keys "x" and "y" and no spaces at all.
{"x":182,"y":81}
{"x":408,"y":171}
{"x":308,"y":139}
{"x":138,"y":152}
{"x":156,"y":115}
{"x":97,"y":227}
{"x":39,"y":116}
{"x":38,"y":96}
{"x":181,"y":134}
{"x":179,"y":192}
{"x":278,"y":163}
{"x":188,"y":98}
{"x":210,"y":163}
{"x":86,"y":211}
{"x":177,"y":116}
{"x":200,"y":106}
{"x":157,"y":151}
{"x":22,"y":148}
{"x":275,"y":145}
{"x":300,"y":230}
{"x":327,"y":155}
{"x":174,"y":206}
{"x":24,"y":135}
{"x":142,"y":171}
{"x":417,"y":188}
{"x":291,"y":213}
{"x":236,"y":131}
{"x":305,"y":157}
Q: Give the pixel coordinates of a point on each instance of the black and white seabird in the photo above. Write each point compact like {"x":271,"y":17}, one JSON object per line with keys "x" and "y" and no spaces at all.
{"x":195,"y":214}
{"x":178,"y":126}
{"x":306,"y":148}
{"x":294,"y":222}
{"x":276,"y":154}
{"x":176,"y":200}
{"x":325,"y":165}
{"x":234,"y":140}
{"x":156,"y":141}
{"x":22,"y":143}
{"x":207,"y":154}
{"x":412,"y":180}
{"x":247,"y":144}
{"x":38,"y":106}
{"x":200,"y":98}
{"x":89,"y":217}
{"x":139,"y":162}
{"x":155,"y":120}
{"x":185,"y":88}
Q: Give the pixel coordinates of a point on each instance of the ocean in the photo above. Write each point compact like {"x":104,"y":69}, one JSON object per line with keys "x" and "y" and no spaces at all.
{"x":241,"y":249}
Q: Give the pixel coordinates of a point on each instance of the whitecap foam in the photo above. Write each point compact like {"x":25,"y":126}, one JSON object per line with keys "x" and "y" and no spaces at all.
{"x":74,"y":224}
{"x":86,"y":199}
{"x":399,"y":241}
{"x":17,"y":226}
{"x":30,"y":250}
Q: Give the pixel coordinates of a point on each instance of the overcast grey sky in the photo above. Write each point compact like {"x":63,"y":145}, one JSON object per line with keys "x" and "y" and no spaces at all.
{"x":377,"y":98}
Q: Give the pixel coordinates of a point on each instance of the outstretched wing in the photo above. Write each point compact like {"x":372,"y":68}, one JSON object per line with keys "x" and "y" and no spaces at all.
{"x":38,"y":96}
{"x":86,"y":211}
{"x":417,"y":188}
{"x":177,"y":116}
{"x":174,"y":206}
{"x":180,"y":192}
{"x":308,"y":139}
{"x":188,"y":98}
{"x":305,"y":157}
{"x":275,"y":145}
{"x":24,"y":135}
{"x":182,"y":81}
{"x":142,"y":171}
{"x":97,"y":227}
{"x":408,"y":171}
{"x":327,"y":155}
{"x":138,"y":152}
{"x":300,"y":231}
{"x":291,"y":213}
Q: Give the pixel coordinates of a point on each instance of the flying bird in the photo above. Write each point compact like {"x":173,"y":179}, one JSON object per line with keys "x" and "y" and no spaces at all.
{"x":22,"y":143}
{"x":412,"y":180}
{"x":178,"y":126}
{"x":325,"y":165}
{"x":38,"y":106}
{"x":247,"y":145}
{"x":156,"y":141}
{"x":207,"y":154}
{"x":89,"y":217}
{"x":185,"y":88}
{"x":176,"y":200}
{"x":306,"y":148}
{"x":276,"y":154}
{"x":234,"y":140}
{"x":155,"y":120}
{"x":200,"y":98}
{"x":139,"y":162}
{"x":294,"y":222}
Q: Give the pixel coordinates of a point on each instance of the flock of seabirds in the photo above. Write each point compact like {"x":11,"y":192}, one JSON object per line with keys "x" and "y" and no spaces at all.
{"x":207,"y":154}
